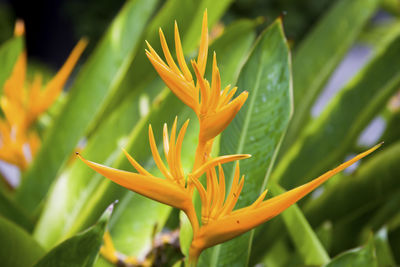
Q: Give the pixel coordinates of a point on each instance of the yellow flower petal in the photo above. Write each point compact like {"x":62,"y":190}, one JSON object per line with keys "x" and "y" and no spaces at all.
{"x":158,"y":189}
{"x":56,"y":84}
{"x":19,"y":28}
{"x":214,"y":124}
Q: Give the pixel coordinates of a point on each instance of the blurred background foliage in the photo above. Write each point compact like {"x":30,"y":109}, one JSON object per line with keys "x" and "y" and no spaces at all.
{"x":346,"y":81}
{"x":70,"y":20}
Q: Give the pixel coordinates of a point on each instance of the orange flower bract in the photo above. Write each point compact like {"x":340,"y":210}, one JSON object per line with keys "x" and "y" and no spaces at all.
{"x":24,"y":101}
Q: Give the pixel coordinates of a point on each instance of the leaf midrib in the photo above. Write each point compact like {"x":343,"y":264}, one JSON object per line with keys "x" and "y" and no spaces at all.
{"x":216,"y":250}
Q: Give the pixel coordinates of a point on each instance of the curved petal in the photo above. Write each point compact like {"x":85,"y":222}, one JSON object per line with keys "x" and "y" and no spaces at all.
{"x":155,"y":188}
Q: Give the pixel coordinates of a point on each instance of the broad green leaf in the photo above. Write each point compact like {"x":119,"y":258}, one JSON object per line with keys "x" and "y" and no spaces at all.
{"x":138,"y":146}
{"x":278,"y":255}
{"x":98,"y":79}
{"x":141,"y":71}
{"x":185,"y":233}
{"x":380,"y":32}
{"x":373,"y":182}
{"x":18,"y":248}
{"x":9,"y":53}
{"x":10,"y":210}
{"x":364,"y":256}
{"x":388,"y":210}
{"x":319,"y":54}
{"x":265,"y":236}
{"x":394,"y":235}
{"x":7,"y":18}
{"x":305,"y":240}
{"x":383,"y":250}
{"x":325,"y":235}
{"x":77,"y":183}
{"x":257,"y":129}
{"x":325,"y":141}
{"x":392,"y":131}
{"x":80,"y":250}
{"x":391,"y":6}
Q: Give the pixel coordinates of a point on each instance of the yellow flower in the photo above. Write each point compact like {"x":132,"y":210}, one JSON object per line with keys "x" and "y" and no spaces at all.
{"x":175,"y":190}
{"x":214,"y":109}
{"x":22,"y":104}
{"x":220,"y":223}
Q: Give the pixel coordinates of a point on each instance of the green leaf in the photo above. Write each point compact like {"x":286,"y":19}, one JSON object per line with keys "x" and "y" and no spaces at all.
{"x":305,"y":240}
{"x":10,"y":210}
{"x":392,"y":131}
{"x":364,"y":256}
{"x":80,"y":250}
{"x":18,"y":248}
{"x":391,"y":6}
{"x":98,"y":79}
{"x":9,"y":53}
{"x":319,"y":54}
{"x":386,"y":211}
{"x":278,"y":255}
{"x":325,"y":141}
{"x":380,"y":32}
{"x":77,"y":183}
{"x":138,"y":146}
{"x":257,"y":129}
{"x":383,"y":251}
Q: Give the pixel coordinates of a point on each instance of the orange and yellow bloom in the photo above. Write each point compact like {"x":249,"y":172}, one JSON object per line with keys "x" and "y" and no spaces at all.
{"x":23,"y":102}
{"x":215,"y":109}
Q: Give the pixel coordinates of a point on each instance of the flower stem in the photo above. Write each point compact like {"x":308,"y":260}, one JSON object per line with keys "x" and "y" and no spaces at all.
{"x":200,"y":155}
{"x":192,"y":216}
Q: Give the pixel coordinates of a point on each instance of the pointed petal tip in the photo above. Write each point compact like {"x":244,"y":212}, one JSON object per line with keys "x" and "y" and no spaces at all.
{"x":19,"y":29}
{"x":372,"y":149}
{"x":84,"y":41}
{"x":205,"y":14}
{"x":148,"y":44}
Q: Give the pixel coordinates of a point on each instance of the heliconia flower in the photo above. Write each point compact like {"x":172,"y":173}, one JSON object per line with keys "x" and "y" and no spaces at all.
{"x":12,"y":145}
{"x":220,"y":223}
{"x":23,"y":102}
{"x":175,"y":190}
{"x":213,"y":107}
{"x":22,"y":107}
